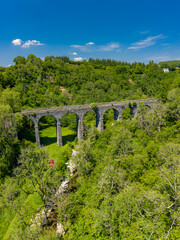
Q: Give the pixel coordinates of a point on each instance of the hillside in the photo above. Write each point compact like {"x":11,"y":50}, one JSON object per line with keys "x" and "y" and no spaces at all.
{"x":122,"y":183}
{"x":171,"y":64}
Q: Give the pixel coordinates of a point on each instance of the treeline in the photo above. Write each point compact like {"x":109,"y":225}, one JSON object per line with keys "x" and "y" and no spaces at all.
{"x":57,"y":81}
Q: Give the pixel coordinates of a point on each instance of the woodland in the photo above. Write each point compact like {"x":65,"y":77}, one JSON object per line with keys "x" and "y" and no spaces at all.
{"x":123,"y":183}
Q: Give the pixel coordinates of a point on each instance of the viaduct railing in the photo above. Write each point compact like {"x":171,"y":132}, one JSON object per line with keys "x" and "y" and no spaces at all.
{"x":80,"y":110}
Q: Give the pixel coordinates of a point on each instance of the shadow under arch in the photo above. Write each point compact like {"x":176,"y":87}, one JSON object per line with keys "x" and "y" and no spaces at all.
{"x":27,"y":130}
{"x":69,"y":127}
{"x":109,"y":116}
{"x":47,"y":130}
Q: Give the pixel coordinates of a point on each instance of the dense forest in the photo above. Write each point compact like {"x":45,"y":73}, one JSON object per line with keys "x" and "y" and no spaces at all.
{"x":123,"y":183}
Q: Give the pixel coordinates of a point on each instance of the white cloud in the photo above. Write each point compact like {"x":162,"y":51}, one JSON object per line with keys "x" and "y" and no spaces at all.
{"x":17,"y":42}
{"x":149,"y":41}
{"x":109,"y":47}
{"x":119,"y":50}
{"x":74,"y":53}
{"x":31,"y":42}
{"x":87,"y":47}
{"x":78,"y":59}
{"x":90,"y":43}
{"x":158,"y":58}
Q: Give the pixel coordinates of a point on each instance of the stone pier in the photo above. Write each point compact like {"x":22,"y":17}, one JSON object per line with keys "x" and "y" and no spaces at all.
{"x":59,"y":134}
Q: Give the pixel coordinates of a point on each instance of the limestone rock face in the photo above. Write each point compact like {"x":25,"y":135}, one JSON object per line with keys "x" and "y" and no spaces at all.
{"x":60,"y":229}
{"x":39,"y":220}
{"x":63,"y":188}
{"x":71,"y":166}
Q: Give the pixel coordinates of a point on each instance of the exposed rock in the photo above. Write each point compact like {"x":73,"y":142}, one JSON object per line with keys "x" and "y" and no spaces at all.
{"x":62,"y":89}
{"x":63,"y":188}
{"x":39,"y":220}
{"x":74,"y":152}
{"x":60,"y":229}
{"x":71,"y":166}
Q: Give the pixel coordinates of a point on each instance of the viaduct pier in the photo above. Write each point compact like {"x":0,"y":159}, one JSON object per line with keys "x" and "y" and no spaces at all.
{"x":80,"y":110}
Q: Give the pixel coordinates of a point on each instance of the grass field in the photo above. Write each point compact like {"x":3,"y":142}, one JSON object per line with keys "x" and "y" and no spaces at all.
{"x":49,"y":141}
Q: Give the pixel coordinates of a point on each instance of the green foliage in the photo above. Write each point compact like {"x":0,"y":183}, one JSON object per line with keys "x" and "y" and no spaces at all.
{"x":126,"y":180}
{"x":126,"y":113}
{"x":8,"y":141}
{"x":19,"y":60}
{"x":11,"y":98}
{"x":175,"y":63}
{"x":108,"y":117}
{"x":94,"y":106}
{"x":69,"y":120}
{"x":134,"y":104}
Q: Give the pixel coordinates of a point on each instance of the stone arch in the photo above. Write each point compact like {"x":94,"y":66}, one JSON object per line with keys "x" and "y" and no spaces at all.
{"x":132,"y":107}
{"x":112,"y":113}
{"x":34,"y":120}
{"x":67,"y":112}
{"x":86,"y":111}
{"x":39,"y":116}
{"x":116,"y":111}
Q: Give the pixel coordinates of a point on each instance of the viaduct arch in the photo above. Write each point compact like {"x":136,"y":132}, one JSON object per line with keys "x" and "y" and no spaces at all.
{"x":80,"y":110}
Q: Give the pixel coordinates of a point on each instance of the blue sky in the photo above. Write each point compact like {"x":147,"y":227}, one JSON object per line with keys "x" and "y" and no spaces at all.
{"x":122,"y":30}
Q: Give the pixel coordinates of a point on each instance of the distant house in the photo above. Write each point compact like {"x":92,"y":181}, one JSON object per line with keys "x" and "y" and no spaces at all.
{"x":166,"y":70}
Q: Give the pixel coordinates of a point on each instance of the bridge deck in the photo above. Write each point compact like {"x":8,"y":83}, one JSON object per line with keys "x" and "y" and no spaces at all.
{"x":85,"y":106}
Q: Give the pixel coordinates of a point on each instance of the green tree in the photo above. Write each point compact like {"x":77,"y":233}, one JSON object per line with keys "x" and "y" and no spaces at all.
{"x":19,"y":60}
{"x":11,"y":98}
{"x":8,"y":140}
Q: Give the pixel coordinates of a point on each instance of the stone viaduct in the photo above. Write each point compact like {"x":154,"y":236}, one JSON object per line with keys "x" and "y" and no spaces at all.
{"x":80,"y":110}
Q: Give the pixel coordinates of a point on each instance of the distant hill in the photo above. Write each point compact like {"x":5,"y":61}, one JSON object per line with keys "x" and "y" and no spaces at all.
{"x":174,"y":63}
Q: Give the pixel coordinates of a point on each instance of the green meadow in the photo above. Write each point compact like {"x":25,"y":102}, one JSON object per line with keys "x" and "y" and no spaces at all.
{"x":49,"y":140}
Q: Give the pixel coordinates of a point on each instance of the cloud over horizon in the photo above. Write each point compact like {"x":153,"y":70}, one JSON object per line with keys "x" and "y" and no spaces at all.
{"x":158,"y":58}
{"x":109,"y":47}
{"x":149,"y":41}
{"x":78,"y":59}
{"x":83,"y":48}
{"x":89,"y":47}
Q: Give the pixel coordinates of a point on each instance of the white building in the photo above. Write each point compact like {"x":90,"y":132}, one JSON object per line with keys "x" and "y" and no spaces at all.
{"x":166,"y":70}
